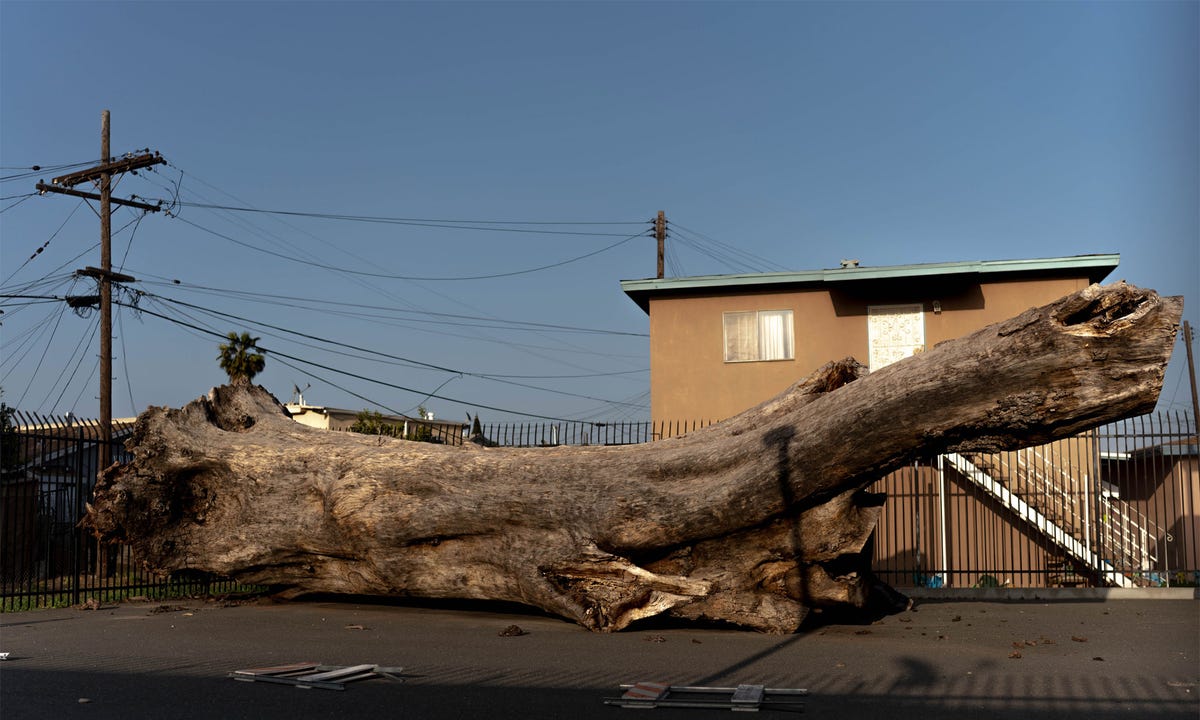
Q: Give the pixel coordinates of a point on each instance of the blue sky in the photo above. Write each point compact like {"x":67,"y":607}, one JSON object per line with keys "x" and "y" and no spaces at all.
{"x":788,"y":135}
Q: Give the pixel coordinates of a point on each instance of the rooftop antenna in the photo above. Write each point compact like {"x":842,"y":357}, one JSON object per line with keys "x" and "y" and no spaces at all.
{"x":298,"y":394}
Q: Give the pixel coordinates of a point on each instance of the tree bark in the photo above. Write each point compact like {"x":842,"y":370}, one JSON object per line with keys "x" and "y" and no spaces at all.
{"x":751,"y":521}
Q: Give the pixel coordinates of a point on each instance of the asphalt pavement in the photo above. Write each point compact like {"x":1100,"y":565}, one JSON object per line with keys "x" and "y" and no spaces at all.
{"x":961,"y":659}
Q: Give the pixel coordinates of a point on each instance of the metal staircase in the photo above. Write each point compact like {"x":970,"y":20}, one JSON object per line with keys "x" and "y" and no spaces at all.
{"x":1106,"y":536}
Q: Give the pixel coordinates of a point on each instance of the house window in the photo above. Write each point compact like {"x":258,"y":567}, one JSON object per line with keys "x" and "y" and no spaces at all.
{"x":758,"y":335}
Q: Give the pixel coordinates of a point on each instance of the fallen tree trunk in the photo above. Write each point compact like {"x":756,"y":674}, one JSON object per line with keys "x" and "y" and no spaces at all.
{"x":751,"y":521}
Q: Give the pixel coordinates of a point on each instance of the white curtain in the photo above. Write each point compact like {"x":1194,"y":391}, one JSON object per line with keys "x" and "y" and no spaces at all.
{"x":774,"y":336}
{"x":741,"y":336}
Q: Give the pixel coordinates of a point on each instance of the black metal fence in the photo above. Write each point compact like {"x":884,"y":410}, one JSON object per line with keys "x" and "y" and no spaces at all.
{"x":551,"y":434}
{"x":1117,"y":506}
{"x":48,"y":468}
{"x":581,"y":433}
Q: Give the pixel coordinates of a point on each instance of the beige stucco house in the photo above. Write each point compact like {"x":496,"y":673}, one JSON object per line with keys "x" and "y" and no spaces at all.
{"x":720,"y":344}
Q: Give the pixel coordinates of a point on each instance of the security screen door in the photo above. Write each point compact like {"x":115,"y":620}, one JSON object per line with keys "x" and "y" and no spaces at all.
{"x":894,"y":332}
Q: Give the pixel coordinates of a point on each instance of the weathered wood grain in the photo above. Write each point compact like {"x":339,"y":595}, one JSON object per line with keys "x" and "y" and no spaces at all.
{"x":752,"y":521}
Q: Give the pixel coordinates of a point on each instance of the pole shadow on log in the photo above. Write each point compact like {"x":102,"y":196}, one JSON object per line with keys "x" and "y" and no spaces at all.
{"x":753,"y":521}
{"x":777,"y":442}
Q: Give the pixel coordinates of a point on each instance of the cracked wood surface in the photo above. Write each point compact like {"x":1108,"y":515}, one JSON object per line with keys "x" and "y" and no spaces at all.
{"x":751,"y":521}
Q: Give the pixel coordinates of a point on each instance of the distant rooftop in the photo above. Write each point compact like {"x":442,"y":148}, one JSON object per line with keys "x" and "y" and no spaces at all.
{"x":1096,"y":267}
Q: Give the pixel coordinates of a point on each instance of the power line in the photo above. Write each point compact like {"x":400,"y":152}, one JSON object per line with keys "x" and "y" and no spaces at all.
{"x":125,"y":362}
{"x":410,"y":361}
{"x":571,"y":377}
{"x":293,"y":250}
{"x":423,"y":400}
{"x":672,"y":261}
{"x":428,"y":222}
{"x":730,"y":255}
{"x":82,"y":387}
{"x":513,"y":324}
{"x":280,"y":243}
{"x":79,"y":351}
{"x":46,"y":244}
{"x":406,"y":299}
{"x":632,"y":404}
{"x":136,"y":222}
{"x":31,"y":301}
{"x":356,"y":376}
{"x":406,"y":324}
{"x":389,"y":276}
{"x":49,"y":275}
{"x":71,"y":261}
{"x":23,"y":199}
{"x":455,"y":224}
{"x":198,"y":325}
{"x":332,"y":384}
{"x":32,"y":171}
{"x":26,"y":345}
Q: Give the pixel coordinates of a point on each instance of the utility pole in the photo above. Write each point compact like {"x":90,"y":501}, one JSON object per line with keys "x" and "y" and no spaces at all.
{"x":105,"y":299}
{"x":660,"y":233}
{"x":1187,"y":344}
{"x":102,"y":175}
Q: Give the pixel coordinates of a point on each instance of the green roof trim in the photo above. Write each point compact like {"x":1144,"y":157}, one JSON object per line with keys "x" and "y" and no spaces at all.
{"x":1097,"y":267}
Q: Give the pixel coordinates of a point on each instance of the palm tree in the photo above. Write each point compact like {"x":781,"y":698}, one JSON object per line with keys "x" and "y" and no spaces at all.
{"x":237,"y":360}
